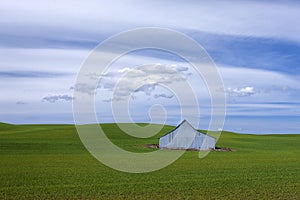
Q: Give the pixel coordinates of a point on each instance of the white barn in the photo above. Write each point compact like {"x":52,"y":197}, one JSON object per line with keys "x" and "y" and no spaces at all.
{"x":185,"y":136}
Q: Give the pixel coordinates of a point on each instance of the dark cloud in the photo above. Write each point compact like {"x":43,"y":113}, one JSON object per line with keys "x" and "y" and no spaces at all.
{"x":84,"y":88}
{"x":54,"y":98}
{"x":163,"y":95}
{"x":21,"y":103}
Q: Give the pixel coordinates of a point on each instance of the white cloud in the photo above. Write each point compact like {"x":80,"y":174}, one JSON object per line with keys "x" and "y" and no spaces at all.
{"x":124,"y":70}
{"x":145,"y":79}
{"x":263,"y":82}
{"x":240,"y":92}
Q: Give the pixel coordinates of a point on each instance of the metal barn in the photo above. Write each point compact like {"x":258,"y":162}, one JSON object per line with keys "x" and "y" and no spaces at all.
{"x":185,"y":136}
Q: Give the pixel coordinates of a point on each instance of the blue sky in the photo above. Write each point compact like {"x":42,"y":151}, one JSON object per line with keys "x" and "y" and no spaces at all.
{"x":255,"y":44}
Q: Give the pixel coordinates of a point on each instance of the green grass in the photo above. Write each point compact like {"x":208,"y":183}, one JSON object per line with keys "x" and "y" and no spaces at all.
{"x":49,"y":162}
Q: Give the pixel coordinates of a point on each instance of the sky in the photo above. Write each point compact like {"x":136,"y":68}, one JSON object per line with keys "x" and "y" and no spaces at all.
{"x":254,"y":44}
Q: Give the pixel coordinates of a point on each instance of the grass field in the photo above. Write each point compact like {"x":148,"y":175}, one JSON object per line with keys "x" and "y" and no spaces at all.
{"x":49,"y":162}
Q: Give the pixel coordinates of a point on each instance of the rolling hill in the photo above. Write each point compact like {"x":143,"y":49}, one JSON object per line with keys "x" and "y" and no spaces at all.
{"x":50,"y":162}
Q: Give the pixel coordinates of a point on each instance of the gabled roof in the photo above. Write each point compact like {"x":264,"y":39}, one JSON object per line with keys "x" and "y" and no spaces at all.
{"x":183,"y":122}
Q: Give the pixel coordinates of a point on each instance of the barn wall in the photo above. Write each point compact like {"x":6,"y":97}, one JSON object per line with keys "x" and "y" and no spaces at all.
{"x":201,"y":142}
{"x":181,"y":137}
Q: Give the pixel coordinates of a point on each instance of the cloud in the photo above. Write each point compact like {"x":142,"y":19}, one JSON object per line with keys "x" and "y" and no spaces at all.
{"x":147,"y":88}
{"x":55,"y":38}
{"x":145,"y":79}
{"x":163,"y":95}
{"x":54,"y":98}
{"x":43,"y":63}
{"x":30,"y":74}
{"x":21,"y":103}
{"x":84,"y":88}
{"x":126,"y":81}
{"x":240,"y":92}
{"x":80,"y":20}
{"x":265,"y":83}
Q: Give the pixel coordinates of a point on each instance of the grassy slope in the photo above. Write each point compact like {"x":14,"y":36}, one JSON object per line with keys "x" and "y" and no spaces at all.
{"x":49,"y":161}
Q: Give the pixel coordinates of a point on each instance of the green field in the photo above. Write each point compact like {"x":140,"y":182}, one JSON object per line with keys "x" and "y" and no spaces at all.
{"x":50,"y":162}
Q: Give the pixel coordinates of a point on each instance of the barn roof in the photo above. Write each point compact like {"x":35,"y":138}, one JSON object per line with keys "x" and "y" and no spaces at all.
{"x":186,"y":122}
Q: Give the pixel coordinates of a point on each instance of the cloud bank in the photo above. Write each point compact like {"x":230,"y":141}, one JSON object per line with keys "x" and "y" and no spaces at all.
{"x":80,"y":20}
